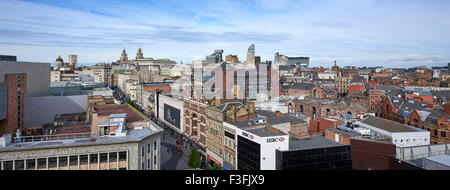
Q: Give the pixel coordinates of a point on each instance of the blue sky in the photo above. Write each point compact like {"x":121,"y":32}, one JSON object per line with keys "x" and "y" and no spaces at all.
{"x":393,"y":33}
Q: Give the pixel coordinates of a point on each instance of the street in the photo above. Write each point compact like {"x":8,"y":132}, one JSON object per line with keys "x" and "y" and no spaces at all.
{"x":170,"y":158}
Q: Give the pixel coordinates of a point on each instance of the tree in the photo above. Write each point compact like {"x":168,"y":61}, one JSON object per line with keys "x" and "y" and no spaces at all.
{"x":194,"y":159}
{"x":215,"y":167}
{"x":133,"y":104}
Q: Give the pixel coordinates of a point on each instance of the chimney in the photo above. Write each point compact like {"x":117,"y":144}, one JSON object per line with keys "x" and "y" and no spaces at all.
{"x":278,"y":114}
{"x":447,"y":109}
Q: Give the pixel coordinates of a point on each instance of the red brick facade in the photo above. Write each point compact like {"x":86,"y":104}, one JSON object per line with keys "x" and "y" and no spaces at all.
{"x":195,"y":121}
{"x":16,"y":92}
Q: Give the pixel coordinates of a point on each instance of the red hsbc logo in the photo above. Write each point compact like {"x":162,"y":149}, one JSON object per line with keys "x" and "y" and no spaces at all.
{"x":251,"y":136}
{"x":273,"y":140}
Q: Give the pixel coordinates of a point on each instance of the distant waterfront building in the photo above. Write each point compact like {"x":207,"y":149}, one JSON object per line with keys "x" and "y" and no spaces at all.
{"x":299,"y":62}
{"x":102,"y":72}
{"x":216,"y":57}
{"x":8,"y":58}
{"x":250,"y":56}
{"x":232,"y":58}
{"x":139,"y":54}
{"x":73,"y":61}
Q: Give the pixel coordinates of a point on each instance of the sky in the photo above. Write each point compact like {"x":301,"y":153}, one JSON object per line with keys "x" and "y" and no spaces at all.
{"x":389,"y":33}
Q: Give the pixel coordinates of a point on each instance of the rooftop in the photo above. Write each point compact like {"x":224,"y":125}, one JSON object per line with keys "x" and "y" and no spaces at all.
{"x":132,"y":115}
{"x":133,"y":135}
{"x":344,"y":132}
{"x":284,"y":119}
{"x":442,"y":159}
{"x":263,"y":132}
{"x":311,"y":143}
{"x":387,"y":125}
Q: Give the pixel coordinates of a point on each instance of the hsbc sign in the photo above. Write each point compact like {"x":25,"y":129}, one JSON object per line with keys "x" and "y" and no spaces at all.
{"x":274,"y":140}
{"x":247,"y":135}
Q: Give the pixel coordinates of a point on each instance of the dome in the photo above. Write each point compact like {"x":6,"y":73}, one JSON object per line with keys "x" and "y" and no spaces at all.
{"x":59,"y":59}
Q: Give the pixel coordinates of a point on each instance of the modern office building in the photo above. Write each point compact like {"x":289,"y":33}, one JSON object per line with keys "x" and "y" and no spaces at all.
{"x":215,"y":57}
{"x":8,"y":58}
{"x":250,"y":56}
{"x":314,"y":153}
{"x":299,"y":62}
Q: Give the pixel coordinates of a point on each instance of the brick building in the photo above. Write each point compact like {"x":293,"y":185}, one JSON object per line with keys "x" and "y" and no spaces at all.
{"x":16,"y":91}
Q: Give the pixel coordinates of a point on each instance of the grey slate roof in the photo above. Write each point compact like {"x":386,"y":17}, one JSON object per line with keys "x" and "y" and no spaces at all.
{"x":303,"y":86}
{"x":265,"y":113}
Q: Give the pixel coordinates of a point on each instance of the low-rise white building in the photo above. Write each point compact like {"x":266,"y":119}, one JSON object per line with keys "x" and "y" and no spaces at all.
{"x":401,"y":135}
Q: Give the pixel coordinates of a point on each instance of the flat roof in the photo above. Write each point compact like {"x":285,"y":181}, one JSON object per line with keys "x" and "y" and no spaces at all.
{"x":311,"y":143}
{"x":441,"y":159}
{"x":344,"y":132}
{"x":263,"y":132}
{"x":388,"y":125}
{"x":132,"y":115}
{"x":132,"y":136}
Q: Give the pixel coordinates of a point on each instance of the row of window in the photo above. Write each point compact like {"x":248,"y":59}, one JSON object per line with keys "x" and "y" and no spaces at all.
{"x":149,"y":156}
{"x":97,"y":161}
{"x":407,"y":140}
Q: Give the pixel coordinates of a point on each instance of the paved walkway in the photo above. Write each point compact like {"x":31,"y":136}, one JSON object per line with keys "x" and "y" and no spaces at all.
{"x":170,"y":158}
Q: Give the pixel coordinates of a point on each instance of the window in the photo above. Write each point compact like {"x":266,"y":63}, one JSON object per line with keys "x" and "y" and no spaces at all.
{"x":155,"y":146}
{"x":93,"y":158}
{"x":73,"y":161}
{"x":143,"y":151}
{"x":62,"y":161}
{"x":443,"y":134}
{"x":103,"y":158}
{"x":19,"y":165}
{"x":52,"y":163}
{"x":31,"y":164}
{"x":148,"y":148}
{"x":435,"y":132}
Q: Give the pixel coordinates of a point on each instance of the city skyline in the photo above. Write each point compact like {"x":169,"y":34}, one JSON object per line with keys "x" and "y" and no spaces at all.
{"x":366,"y":33}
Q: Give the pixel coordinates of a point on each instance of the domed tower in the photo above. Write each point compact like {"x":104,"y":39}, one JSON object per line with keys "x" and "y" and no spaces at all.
{"x":124,"y":56}
{"x":139,"y":54}
{"x":59,"y":62}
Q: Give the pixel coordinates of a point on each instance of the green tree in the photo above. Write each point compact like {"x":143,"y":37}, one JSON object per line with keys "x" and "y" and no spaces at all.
{"x":194,"y":159}
{"x":134,"y":105}
{"x":215,"y":167}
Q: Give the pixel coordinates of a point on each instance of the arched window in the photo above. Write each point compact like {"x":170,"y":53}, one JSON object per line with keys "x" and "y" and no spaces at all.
{"x":301,"y":109}
{"x":194,"y":124}
{"x":290,"y":107}
{"x":314,"y":112}
{"x":328,"y":111}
